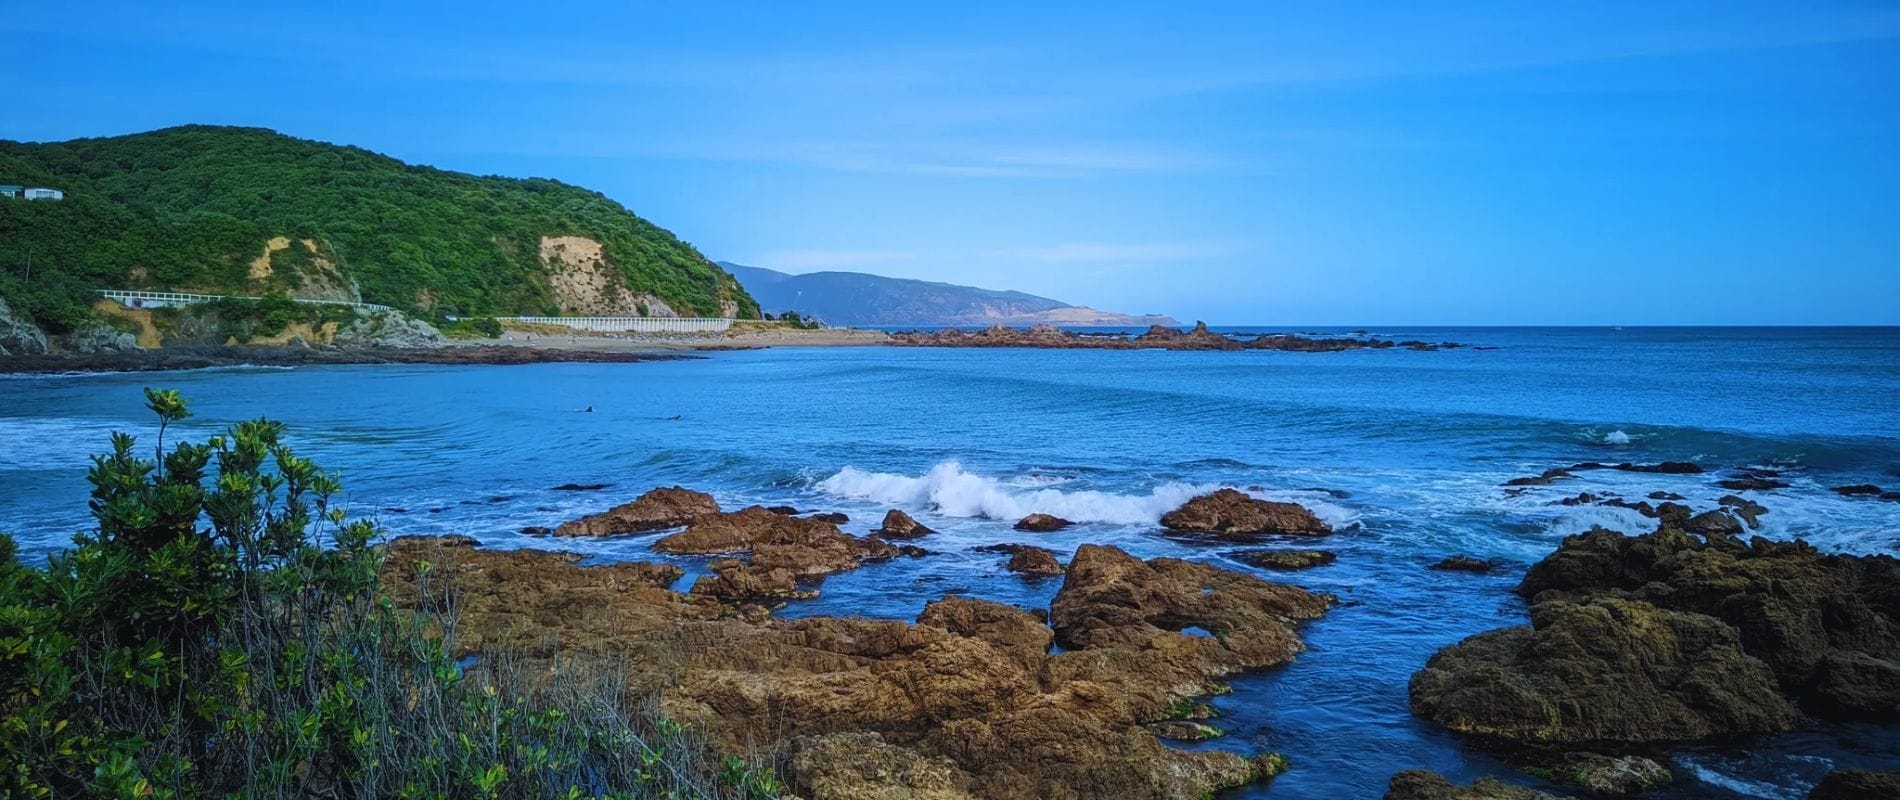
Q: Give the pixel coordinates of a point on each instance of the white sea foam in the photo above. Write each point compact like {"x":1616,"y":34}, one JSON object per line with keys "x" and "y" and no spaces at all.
{"x":1719,"y":773}
{"x":948,"y":490}
{"x":1616,"y":437}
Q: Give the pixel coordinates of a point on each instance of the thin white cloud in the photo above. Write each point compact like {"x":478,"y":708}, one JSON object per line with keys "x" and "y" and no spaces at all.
{"x":1094,"y":252}
{"x":828,"y":259}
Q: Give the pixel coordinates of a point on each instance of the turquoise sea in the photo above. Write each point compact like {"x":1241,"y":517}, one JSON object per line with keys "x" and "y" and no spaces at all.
{"x":1403,"y":451}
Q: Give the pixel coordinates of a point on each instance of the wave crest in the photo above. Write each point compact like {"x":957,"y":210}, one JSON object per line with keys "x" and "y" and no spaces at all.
{"x":949,"y":490}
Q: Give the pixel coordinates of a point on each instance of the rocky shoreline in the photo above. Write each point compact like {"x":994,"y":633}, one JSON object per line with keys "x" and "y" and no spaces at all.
{"x":1156,"y":337}
{"x":1637,"y":644}
{"x":175,"y":358}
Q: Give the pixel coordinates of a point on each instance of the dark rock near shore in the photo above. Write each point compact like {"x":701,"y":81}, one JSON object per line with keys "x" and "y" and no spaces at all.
{"x":1855,"y":784}
{"x":1749,"y":510}
{"x":805,"y":548}
{"x":790,"y":511}
{"x":899,"y":525}
{"x":1712,"y":523}
{"x":1422,"y":785}
{"x":1042,"y":523}
{"x":1464,"y":564}
{"x":658,"y":509}
{"x":537,"y":530}
{"x":1232,"y":514}
{"x":1857,"y":490}
{"x":1286,"y":559}
{"x":579,"y":487}
{"x":831,"y":517}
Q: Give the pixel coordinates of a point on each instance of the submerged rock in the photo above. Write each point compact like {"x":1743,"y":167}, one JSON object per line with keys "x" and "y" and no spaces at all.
{"x":1462,"y":563}
{"x":1613,"y":776}
{"x":899,"y":525}
{"x":1230,"y":513}
{"x":1286,"y":559}
{"x":1042,"y":523}
{"x":1421,"y":785}
{"x":1855,"y":784}
{"x":1857,"y":490}
{"x":658,"y":509}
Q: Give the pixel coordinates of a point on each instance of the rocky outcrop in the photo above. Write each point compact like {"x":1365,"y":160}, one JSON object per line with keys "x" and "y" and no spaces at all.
{"x":18,"y":335}
{"x":1232,"y":514}
{"x":390,"y":329}
{"x":899,"y":525}
{"x":1421,"y":785}
{"x":1042,"y":523}
{"x":97,"y":337}
{"x":1855,"y":784}
{"x":1036,"y":562}
{"x":1668,"y":637}
{"x":1603,"y":671}
{"x":658,"y":509}
{"x":1156,"y":337}
{"x":1286,"y":559}
{"x":1828,"y":625}
{"x":1857,"y":490}
{"x":966,"y":702}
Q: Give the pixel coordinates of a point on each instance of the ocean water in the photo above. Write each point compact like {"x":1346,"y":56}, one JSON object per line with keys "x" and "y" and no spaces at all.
{"x":1403,"y":451}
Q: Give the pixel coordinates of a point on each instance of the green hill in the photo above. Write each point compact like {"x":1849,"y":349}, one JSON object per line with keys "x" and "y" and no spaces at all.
{"x":251,"y":211}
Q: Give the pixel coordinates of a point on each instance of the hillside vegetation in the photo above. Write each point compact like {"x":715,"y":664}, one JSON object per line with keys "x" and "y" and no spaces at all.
{"x":251,"y":211}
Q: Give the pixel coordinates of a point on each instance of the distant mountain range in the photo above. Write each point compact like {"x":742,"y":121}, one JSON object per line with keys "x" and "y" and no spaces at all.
{"x":864,"y":300}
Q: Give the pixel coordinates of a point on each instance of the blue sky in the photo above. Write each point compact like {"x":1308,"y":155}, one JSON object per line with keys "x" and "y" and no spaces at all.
{"x":1368,"y":163}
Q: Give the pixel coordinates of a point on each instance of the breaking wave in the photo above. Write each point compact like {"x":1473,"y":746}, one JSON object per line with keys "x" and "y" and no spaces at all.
{"x":948,"y":490}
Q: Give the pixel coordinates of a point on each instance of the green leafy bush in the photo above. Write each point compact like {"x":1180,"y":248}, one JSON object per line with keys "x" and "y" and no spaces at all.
{"x":221,"y":633}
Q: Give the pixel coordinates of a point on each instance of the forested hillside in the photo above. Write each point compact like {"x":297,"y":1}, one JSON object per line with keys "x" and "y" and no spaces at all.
{"x":251,"y":211}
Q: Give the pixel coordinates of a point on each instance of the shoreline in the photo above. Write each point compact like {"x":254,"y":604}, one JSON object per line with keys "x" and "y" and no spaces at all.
{"x":186,"y":358}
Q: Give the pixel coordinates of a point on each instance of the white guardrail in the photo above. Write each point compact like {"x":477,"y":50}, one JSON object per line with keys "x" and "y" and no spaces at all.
{"x":632,"y":324}
{"x":131,"y":299}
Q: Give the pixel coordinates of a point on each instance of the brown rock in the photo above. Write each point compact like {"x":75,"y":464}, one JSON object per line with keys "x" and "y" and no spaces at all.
{"x":1464,"y":564}
{"x":899,"y":525}
{"x":1229,"y":513}
{"x":887,"y":709}
{"x":656,"y":510}
{"x":1042,"y":523}
{"x":806,"y":548}
{"x":831,"y":517}
{"x":736,"y":581}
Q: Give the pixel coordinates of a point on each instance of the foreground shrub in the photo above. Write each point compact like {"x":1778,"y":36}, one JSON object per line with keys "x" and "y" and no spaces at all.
{"x":221,"y":633}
